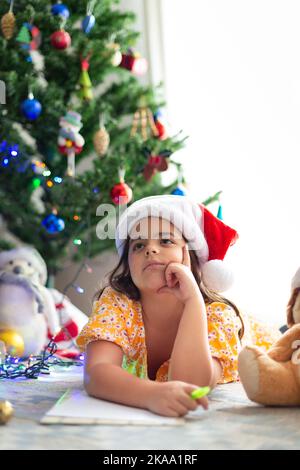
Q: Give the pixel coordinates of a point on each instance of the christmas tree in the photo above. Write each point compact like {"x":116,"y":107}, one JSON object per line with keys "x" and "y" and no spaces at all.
{"x":73,"y":94}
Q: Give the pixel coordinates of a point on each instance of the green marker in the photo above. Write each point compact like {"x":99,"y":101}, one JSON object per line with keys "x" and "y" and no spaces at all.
{"x":200,"y":392}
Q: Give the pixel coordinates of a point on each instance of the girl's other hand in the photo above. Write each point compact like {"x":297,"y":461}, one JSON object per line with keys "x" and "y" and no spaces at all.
{"x":180,"y":280}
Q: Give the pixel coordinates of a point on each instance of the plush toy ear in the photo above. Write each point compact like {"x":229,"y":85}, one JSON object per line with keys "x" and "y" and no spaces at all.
{"x":290,"y":307}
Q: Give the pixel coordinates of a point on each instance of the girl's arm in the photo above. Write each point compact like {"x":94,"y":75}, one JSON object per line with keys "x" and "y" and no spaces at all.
{"x":191,"y":359}
{"x":104,"y":377}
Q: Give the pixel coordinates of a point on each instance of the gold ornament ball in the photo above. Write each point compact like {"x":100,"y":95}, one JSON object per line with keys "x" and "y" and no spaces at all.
{"x":6,"y":411}
{"x":116,"y":57}
{"x":14,"y":342}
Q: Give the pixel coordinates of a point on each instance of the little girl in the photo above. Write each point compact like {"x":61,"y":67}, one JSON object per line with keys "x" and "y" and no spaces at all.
{"x":161,"y":318}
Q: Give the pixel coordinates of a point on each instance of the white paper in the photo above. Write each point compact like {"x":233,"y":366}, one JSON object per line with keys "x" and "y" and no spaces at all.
{"x":76,"y":407}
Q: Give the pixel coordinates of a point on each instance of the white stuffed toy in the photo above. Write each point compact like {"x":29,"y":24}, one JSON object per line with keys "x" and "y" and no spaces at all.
{"x":33,"y":311}
{"x":26,"y":305}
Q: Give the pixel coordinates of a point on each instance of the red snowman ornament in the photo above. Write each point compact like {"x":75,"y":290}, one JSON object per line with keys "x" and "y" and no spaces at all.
{"x":70,"y":142}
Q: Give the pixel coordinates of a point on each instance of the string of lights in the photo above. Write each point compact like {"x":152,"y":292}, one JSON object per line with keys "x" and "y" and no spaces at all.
{"x":15,"y":368}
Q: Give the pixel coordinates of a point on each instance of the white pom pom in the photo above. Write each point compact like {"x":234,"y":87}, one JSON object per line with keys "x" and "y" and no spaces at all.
{"x":216,"y":276}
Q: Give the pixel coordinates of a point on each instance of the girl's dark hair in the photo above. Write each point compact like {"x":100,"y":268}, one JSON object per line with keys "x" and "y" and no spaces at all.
{"x":123,"y":283}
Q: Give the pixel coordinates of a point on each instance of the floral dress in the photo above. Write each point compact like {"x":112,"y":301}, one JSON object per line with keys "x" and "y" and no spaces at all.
{"x":118,"y":319}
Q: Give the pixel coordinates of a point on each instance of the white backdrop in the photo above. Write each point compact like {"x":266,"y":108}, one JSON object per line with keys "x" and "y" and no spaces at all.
{"x":232,"y":80}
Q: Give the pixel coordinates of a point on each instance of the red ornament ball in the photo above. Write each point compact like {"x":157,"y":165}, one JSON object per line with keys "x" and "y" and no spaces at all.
{"x":121,"y":193}
{"x":60,"y":39}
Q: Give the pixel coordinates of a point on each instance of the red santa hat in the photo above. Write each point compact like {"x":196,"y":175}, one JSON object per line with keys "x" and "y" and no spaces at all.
{"x":207,"y":235}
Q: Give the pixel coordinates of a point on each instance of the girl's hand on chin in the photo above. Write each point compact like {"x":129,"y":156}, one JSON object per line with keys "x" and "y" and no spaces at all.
{"x":180,"y":280}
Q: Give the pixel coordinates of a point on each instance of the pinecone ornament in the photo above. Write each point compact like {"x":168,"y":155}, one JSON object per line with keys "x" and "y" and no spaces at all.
{"x":101,"y":141}
{"x":8,"y":24}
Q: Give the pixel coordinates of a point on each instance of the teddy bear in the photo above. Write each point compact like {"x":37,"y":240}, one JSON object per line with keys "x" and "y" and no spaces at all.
{"x":273,"y":378}
{"x":33,"y":311}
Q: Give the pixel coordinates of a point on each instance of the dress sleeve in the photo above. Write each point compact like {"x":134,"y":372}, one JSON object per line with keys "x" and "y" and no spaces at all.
{"x":107,"y":322}
{"x":224,"y":342}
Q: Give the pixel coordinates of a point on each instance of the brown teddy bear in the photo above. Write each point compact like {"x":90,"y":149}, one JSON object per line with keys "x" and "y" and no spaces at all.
{"x":273,"y":378}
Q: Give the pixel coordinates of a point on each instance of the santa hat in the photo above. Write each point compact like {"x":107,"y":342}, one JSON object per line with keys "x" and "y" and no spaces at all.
{"x":207,"y":235}
{"x":29,"y":254}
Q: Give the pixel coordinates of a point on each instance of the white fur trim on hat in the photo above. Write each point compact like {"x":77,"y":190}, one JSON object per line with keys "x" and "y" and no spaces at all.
{"x":29,"y":254}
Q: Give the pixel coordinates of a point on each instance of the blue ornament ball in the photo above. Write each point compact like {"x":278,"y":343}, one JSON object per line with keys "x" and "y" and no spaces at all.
{"x":179,"y":191}
{"x":59,"y":9}
{"x":157,"y":115}
{"x":31,"y":108}
{"x":53,"y":224}
{"x":88,"y":23}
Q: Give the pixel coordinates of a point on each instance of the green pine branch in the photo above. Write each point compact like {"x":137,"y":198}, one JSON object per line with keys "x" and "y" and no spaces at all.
{"x":117,"y":93}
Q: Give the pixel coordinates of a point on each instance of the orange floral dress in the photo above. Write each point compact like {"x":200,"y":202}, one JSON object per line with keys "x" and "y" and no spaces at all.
{"x":118,"y":319}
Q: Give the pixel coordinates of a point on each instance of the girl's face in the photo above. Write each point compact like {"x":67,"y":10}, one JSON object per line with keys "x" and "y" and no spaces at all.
{"x":159,"y":242}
